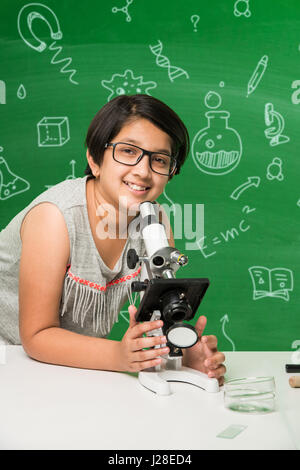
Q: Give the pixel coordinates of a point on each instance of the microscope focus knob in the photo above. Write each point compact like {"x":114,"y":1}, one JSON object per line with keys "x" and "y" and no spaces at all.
{"x":132,"y":258}
{"x":139,"y":286}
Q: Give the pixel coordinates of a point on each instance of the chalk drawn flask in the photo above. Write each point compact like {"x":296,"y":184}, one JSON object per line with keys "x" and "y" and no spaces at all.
{"x":217,"y":148}
{"x":10,"y":184}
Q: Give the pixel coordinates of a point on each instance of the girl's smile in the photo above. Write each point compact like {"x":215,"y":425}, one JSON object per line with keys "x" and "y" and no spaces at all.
{"x":124,"y":186}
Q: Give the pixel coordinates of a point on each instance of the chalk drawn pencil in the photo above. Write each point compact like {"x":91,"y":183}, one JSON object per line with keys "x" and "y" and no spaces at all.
{"x":257,"y":74}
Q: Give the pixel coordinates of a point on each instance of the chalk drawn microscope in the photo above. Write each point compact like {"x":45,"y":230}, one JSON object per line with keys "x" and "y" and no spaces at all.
{"x":169,"y":299}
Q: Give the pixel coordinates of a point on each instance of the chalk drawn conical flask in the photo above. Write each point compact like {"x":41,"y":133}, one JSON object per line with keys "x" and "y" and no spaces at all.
{"x":10,"y":184}
{"x":217,"y":148}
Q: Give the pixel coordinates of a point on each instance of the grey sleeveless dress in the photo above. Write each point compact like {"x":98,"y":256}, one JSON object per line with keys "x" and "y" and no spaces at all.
{"x":92,"y":294}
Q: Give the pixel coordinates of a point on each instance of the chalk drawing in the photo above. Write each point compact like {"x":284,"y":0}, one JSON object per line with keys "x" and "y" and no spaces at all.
{"x":252,"y":181}
{"x":224,"y":320}
{"x":276,"y":282}
{"x":257,"y":75}
{"x":53,"y":131}
{"x":26,"y":16}
{"x":217,"y":148}
{"x":274,"y":170}
{"x":276,"y":124}
{"x":195,"y":20}
{"x":21,"y":93}
{"x":226,"y":236}
{"x":72,"y":175}
{"x":2,"y":92}
{"x":241,"y":8}
{"x":10,"y":183}
{"x":163,"y":61}
{"x":124,"y":9}
{"x":127,"y":84}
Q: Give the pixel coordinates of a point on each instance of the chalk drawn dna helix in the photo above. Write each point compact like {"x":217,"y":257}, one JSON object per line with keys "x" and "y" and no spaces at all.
{"x":162,"y":61}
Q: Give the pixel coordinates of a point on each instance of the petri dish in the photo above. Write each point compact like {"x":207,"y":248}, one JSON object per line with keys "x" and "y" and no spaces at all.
{"x":250,"y":394}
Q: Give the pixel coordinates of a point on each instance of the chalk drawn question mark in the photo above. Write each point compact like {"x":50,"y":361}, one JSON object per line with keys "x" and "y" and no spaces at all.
{"x":195,"y":20}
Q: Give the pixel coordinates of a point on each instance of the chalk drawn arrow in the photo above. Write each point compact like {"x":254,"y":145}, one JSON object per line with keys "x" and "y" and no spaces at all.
{"x":252,"y":181}
{"x":224,"y":320}
{"x":72,"y":175}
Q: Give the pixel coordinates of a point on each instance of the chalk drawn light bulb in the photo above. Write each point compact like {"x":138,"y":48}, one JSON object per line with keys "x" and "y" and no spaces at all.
{"x":217,"y":148}
{"x":10,"y":183}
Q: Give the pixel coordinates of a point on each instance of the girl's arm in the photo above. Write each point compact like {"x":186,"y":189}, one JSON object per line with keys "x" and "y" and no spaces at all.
{"x":44,"y":257}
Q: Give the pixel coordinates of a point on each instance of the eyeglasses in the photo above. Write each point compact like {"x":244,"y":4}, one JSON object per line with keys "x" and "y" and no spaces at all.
{"x":131,"y":155}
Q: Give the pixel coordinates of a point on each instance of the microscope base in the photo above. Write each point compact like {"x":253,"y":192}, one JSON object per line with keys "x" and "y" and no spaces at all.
{"x":157,"y":381}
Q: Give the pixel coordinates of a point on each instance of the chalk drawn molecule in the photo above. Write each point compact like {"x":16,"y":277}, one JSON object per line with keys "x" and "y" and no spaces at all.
{"x":124,"y":9}
{"x":274,"y":169}
{"x":241,"y":7}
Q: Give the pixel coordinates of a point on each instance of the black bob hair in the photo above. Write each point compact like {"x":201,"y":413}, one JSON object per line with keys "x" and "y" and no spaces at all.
{"x":110,"y":119}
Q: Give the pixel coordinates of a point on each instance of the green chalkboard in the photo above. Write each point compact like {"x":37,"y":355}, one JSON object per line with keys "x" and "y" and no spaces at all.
{"x":231,"y":70}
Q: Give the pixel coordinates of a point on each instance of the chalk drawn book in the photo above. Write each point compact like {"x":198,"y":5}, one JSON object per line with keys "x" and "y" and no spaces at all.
{"x":267,"y":282}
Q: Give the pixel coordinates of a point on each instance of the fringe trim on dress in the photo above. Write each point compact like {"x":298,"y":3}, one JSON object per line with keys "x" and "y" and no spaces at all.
{"x":89,"y":296}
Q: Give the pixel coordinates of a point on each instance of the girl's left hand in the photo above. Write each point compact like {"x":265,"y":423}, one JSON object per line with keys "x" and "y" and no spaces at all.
{"x":204,"y":356}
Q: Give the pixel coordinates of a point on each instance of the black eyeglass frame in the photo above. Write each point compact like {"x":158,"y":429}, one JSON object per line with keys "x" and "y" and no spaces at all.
{"x":144,"y":152}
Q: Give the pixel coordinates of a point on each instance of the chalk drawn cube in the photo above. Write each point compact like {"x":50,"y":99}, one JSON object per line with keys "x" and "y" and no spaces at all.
{"x":53,"y":131}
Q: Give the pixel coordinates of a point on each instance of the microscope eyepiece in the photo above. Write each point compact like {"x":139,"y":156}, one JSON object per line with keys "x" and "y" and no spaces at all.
{"x":158,"y":260}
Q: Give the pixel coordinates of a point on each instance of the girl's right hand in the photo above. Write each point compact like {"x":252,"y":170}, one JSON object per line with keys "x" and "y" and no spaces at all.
{"x":133,"y":356}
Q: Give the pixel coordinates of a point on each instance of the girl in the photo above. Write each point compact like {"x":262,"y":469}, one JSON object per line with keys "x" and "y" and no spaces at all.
{"x":63,"y":280}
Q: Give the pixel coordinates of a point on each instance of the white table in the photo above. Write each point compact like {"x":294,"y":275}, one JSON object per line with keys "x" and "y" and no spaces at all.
{"x":44,"y":406}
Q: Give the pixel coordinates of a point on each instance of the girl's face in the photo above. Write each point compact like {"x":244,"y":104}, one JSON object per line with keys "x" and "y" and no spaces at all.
{"x":116,"y":179}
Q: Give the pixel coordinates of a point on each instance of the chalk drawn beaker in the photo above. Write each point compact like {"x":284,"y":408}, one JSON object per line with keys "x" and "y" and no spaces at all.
{"x":217,"y":148}
{"x":10,"y":183}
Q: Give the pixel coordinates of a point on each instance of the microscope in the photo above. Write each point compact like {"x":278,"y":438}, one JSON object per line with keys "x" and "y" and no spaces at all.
{"x":275,"y":121}
{"x":174,"y":301}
